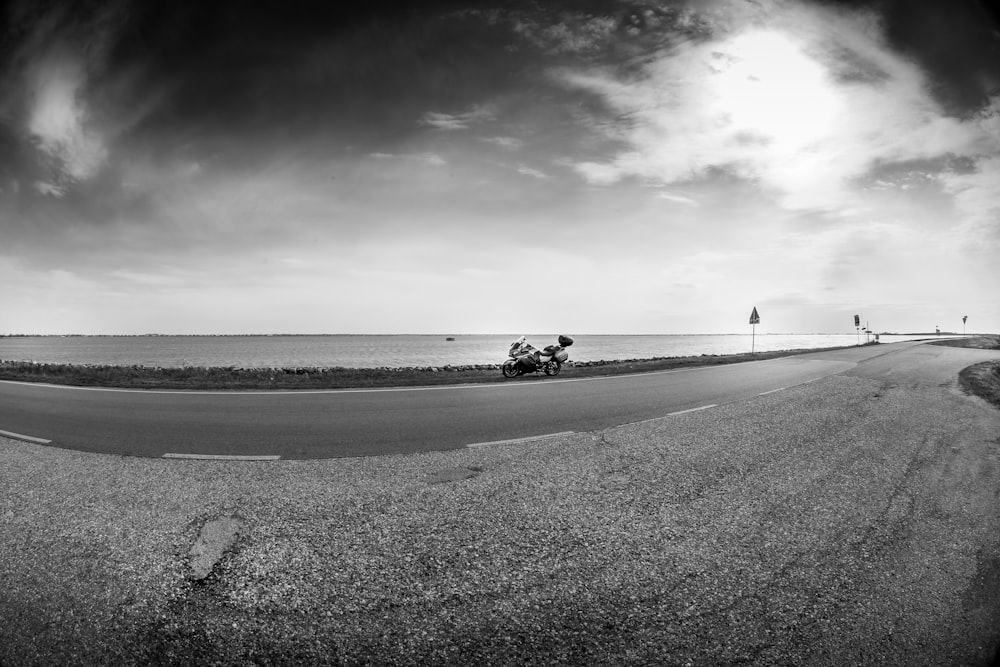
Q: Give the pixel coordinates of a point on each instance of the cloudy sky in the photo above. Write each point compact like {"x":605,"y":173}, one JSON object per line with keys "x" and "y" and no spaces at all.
{"x":475,"y":167}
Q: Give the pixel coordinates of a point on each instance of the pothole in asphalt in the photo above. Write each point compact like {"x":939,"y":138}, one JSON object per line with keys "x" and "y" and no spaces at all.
{"x":453,"y":474}
{"x":214,"y":539}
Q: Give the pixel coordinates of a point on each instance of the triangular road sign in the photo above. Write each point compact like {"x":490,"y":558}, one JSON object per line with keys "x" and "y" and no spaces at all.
{"x":754,"y":317}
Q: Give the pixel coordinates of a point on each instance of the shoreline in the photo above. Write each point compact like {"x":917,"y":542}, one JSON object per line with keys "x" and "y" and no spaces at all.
{"x":337,"y":377}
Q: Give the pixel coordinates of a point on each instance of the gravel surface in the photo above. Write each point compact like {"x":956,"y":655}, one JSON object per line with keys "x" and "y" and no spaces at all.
{"x":853,"y":520}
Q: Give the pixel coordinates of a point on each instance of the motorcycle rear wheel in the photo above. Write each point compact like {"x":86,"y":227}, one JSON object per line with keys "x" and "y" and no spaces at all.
{"x":510,"y":369}
{"x":553,"y":368}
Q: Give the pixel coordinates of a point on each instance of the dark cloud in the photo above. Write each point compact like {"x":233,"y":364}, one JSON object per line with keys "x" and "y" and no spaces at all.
{"x":956,"y":42}
{"x":234,"y":76}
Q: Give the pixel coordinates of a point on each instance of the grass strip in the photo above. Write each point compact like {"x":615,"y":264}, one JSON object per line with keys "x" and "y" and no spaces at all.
{"x":983,"y":380}
{"x":300,"y":378}
{"x":984,"y":342}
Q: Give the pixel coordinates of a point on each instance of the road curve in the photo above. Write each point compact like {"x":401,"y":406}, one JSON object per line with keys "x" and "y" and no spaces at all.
{"x":343,"y":423}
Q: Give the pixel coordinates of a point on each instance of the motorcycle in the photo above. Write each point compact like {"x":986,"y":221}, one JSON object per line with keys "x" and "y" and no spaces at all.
{"x":523,"y":357}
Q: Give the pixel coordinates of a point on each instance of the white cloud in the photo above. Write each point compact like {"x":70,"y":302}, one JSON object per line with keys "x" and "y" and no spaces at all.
{"x":432,"y":159}
{"x":505,"y":142}
{"x":457,"y":121}
{"x":977,"y":194}
{"x":50,"y":189}
{"x":600,"y":174}
{"x":576,"y":34}
{"x":528,"y":171}
{"x":679,"y":199}
{"x":772,"y":103}
{"x":57,"y":118}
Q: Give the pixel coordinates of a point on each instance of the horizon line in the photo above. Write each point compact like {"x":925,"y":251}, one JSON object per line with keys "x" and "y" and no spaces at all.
{"x":453,"y":334}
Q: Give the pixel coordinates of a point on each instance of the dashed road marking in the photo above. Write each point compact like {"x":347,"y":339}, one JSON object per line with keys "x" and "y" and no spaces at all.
{"x":26,"y":438}
{"x":515,"y":441}
{"x":682,"y":412}
{"x":222,"y":457}
{"x":765,"y":393}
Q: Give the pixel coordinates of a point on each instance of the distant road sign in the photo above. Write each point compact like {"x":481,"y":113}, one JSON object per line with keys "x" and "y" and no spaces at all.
{"x":754,"y":317}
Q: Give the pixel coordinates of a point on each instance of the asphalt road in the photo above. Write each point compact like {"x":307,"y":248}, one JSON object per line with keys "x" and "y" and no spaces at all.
{"x":344,"y":423}
{"x":854,"y":520}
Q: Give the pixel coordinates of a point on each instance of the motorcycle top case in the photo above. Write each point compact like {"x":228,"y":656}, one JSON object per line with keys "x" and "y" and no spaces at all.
{"x":565,"y":341}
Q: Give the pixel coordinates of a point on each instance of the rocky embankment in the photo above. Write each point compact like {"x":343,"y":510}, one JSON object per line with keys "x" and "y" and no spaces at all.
{"x":293,"y":378}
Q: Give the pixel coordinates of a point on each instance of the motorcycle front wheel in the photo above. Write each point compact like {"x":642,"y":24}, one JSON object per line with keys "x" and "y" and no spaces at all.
{"x":510,"y":369}
{"x":553,"y":368}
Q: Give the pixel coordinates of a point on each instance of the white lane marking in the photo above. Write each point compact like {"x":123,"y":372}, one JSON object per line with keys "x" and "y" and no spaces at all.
{"x":26,"y":438}
{"x":765,"y":393}
{"x":684,"y":412}
{"x":518,"y":440}
{"x":221,"y":457}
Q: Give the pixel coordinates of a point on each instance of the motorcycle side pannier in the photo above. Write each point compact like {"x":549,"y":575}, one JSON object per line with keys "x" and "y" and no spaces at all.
{"x":565,"y":341}
{"x":561,"y":356}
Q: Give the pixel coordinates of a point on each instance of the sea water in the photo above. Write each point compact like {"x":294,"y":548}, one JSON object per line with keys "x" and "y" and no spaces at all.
{"x":370,"y":351}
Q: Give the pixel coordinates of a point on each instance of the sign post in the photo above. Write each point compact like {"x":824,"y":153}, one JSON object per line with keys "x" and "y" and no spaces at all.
{"x":754,"y":320}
